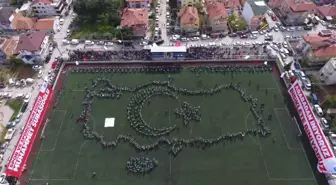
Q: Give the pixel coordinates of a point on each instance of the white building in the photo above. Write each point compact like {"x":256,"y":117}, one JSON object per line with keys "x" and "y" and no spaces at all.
{"x":4,"y":3}
{"x":328,"y":72}
{"x":26,"y":8}
{"x":253,"y":13}
{"x":47,"y":8}
{"x":33,"y":47}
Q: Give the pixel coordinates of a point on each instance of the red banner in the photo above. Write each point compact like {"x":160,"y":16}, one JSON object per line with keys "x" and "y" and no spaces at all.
{"x":22,"y":149}
{"x":319,"y":143}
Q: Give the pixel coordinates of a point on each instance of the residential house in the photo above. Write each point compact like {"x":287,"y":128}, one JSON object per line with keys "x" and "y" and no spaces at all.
{"x":47,"y":8}
{"x":326,"y":12}
{"x":4,"y":3}
{"x":189,"y":19}
{"x":253,"y":13}
{"x":317,"y":49}
{"x":190,"y":3}
{"x":217,"y":17}
{"x":33,"y":47}
{"x":5,"y":14}
{"x":138,"y":3}
{"x":47,"y":25}
{"x":26,"y":9}
{"x":136,"y":19}
{"x":324,"y":2}
{"x":232,"y":5}
{"x":328,"y":72}
{"x":293,"y":12}
{"x":20,"y":22}
{"x":8,"y":48}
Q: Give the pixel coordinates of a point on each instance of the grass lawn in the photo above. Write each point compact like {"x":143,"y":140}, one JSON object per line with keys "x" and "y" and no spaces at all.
{"x":65,"y":157}
{"x":84,"y":30}
{"x":15,"y":105}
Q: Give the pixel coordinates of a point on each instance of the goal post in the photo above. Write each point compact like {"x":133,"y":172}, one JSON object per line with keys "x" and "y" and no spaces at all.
{"x":43,"y":129}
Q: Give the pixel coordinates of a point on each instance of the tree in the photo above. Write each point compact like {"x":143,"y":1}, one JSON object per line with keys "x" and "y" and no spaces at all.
{"x":236,"y":22}
{"x":124,"y":33}
{"x":330,"y":101}
{"x":232,"y":18}
{"x":15,"y":61}
{"x":113,"y":19}
{"x":91,"y":9}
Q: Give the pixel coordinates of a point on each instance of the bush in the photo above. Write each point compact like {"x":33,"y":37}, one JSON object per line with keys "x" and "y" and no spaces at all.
{"x":333,"y":123}
{"x":13,"y":2}
{"x":303,"y":62}
{"x":330,"y":102}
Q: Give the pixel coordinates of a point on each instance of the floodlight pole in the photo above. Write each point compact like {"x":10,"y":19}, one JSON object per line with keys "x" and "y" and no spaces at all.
{"x":122,"y":39}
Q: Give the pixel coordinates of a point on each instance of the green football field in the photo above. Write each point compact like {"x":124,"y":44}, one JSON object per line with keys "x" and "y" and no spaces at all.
{"x":66,"y":157}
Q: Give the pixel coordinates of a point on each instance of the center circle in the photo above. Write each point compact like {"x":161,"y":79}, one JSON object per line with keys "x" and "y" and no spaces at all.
{"x":162,"y":113}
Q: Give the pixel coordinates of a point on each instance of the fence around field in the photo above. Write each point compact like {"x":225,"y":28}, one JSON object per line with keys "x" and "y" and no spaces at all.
{"x":62,"y":75}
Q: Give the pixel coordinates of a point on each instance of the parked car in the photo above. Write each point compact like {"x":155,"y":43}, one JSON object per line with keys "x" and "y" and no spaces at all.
{"x":24,"y":107}
{"x":283,"y":56}
{"x":2,"y":85}
{"x":19,"y":96}
{"x":37,"y":67}
{"x":243,"y":36}
{"x":18,"y":118}
{"x":27,"y":97}
{"x":10,"y":133}
{"x":101,"y":42}
{"x":10,"y":124}
{"x":324,"y":123}
{"x":7,"y":95}
{"x":74,"y":41}
{"x":318,"y":110}
{"x":302,"y":75}
{"x":109,"y":44}
{"x":306,"y":84}
{"x":40,"y":74}
{"x":308,"y":28}
{"x":3,"y":147}
{"x":233,"y":35}
{"x":290,"y":29}
{"x":285,"y":44}
{"x":89,"y":42}
{"x":297,"y":65}
{"x":18,"y":83}
{"x":253,"y":36}
{"x":61,"y":21}
{"x":65,"y":41}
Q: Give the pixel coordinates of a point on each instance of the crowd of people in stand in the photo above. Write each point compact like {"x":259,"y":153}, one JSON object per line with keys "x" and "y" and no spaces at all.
{"x":192,"y":53}
{"x":218,"y":52}
{"x":91,"y":55}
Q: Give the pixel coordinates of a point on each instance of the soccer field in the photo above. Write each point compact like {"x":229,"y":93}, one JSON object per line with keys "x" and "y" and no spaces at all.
{"x":200,"y":123}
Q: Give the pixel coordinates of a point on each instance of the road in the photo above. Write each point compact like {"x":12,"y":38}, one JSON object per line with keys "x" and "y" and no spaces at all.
{"x":163,"y":20}
{"x":33,"y":89}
